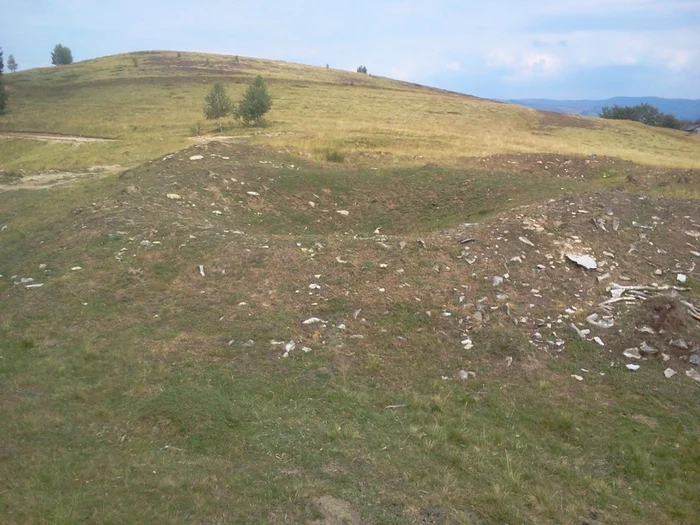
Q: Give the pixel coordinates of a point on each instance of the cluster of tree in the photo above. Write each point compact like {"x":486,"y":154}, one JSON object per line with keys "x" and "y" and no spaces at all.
{"x":251,"y":109}
{"x":646,"y":114}
{"x":362,"y":69}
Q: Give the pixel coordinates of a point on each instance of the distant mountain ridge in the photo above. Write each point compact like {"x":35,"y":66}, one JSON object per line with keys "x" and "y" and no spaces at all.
{"x":681,"y":108}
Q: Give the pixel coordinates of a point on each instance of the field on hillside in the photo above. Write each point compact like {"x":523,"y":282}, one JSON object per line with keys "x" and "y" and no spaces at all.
{"x":149,"y":101}
{"x":232,"y":329}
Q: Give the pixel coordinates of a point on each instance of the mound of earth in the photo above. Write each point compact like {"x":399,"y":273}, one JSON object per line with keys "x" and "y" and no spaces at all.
{"x":230,"y":210}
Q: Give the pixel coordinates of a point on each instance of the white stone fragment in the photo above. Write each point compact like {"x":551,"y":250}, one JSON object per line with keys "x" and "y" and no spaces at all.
{"x":586,"y":261}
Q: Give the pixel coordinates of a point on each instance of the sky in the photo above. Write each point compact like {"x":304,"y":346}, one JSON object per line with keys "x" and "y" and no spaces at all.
{"x":502,"y":49}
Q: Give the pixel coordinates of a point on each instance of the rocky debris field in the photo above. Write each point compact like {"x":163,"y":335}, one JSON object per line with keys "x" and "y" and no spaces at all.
{"x":613,"y":268}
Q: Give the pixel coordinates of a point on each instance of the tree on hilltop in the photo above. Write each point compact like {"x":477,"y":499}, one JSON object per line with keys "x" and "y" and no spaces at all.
{"x":61,"y":55}
{"x":3,"y":95}
{"x":362,"y":69}
{"x":256,"y":102}
{"x":217,"y":104}
{"x":11,"y":64}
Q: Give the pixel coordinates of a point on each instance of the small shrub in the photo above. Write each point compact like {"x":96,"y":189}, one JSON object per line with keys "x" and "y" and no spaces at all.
{"x":333,"y":155}
{"x":135,"y":61}
{"x":207,"y":63}
{"x":179,"y":55}
{"x":196,"y":129}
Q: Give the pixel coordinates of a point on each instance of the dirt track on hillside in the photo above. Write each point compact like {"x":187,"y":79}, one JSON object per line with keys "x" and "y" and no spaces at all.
{"x":51,"y":178}
{"x":52,"y":137}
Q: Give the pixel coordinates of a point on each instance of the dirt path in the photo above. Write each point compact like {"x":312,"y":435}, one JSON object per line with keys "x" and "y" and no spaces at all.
{"x":51,"y":137}
{"x":50,"y":179}
{"x":206,"y":139}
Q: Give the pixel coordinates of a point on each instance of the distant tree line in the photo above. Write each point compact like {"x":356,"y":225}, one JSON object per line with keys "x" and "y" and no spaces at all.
{"x":646,"y":114}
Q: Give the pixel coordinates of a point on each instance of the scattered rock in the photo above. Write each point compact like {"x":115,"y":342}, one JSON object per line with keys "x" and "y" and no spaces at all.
{"x":693,"y":374}
{"x":605,"y":322}
{"x":526,"y":241}
{"x":196,"y":157}
{"x":647,"y":349}
{"x":201,"y":270}
{"x":632,"y":353}
{"x":466,"y":374}
{"x":577,"y":378}
{"x":344,"y":213}
{"x":634,"y":368}
{"x":588,"y":262}
{"x":669,"y":373}
{"x":174,"y":196}
{"x":681,"y":278}
{"x":75,"y":269}
{"x":313,"y":320}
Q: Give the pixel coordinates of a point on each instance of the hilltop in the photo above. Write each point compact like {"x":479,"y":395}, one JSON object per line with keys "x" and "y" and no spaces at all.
{"x":230,"y":328}
{"x":147,"y":102}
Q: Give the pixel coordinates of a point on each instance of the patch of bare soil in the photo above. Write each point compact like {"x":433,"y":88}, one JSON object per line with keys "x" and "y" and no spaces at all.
{"x":20,"y":180}
{"x":335,"y":512}
{"x":52,"y":137}
{"x":548,"y":163}
{"x":551,"y":119}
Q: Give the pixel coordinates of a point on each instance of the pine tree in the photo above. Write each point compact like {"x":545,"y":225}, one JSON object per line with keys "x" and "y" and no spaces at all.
{"x":3,"y":95}
{"x":256,"y":102}
{"x":217,"y":103}
{"x":11,"y":64}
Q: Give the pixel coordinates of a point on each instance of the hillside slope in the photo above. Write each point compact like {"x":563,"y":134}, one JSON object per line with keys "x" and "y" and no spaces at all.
{"x":149,"y":101}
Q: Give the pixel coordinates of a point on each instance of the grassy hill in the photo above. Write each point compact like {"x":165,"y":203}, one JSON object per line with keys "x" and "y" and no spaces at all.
{"x":149,"y":101}
{"x":238,"y":331}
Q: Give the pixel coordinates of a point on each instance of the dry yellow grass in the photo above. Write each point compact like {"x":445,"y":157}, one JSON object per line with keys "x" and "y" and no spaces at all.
{"x":148,"y":102}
